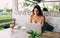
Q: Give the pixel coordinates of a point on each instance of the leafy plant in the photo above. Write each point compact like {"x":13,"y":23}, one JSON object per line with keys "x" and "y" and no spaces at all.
{"x":1,"y":28}
{"x":33,"y":34}
{"x":28,"y":4}
{"x":9,"y":10}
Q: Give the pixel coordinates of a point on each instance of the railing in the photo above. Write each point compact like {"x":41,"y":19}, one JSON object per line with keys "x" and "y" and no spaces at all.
{"x":54,"y":14}
{"x":45,"y":13}
{"x":6,"y":21}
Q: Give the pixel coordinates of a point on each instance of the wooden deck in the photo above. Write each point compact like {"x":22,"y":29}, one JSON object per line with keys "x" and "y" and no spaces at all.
{"x":48,"y":34}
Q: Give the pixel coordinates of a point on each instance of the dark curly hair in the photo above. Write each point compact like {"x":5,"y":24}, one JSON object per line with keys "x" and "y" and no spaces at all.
{"x":39,"y":9}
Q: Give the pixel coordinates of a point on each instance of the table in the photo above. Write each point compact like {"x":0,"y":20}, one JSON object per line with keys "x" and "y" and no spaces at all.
{"x":7,"y":33}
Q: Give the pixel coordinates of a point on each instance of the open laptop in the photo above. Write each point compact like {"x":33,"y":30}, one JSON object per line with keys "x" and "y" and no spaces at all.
{"x":34,"y":27}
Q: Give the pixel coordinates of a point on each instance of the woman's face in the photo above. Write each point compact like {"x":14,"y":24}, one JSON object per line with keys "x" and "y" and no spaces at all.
{"x":36,"y":11}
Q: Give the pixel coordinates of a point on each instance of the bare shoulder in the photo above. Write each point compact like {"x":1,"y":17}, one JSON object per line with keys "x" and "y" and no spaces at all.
{"x":31,"y":16}
{"x":42,"y":17}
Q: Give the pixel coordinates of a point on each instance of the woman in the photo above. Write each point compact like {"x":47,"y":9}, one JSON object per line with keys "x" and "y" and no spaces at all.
{"x":37,"y":16}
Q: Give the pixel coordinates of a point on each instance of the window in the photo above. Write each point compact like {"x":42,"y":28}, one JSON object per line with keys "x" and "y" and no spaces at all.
{"x":5,"y":12}
{"x":51,"y":5}
{"x":25,"y":5}
{"x":5,"y":9}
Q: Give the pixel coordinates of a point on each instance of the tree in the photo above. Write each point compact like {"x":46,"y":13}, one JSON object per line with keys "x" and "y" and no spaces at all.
{"x":26,"y":3}
{"x":9,"y":10}
{"x":1,"y":10}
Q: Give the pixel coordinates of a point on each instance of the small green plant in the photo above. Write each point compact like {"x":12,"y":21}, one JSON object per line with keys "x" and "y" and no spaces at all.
{"x":26,"y":3}
{"x":1,"y":28}
{"x":34,"y":34}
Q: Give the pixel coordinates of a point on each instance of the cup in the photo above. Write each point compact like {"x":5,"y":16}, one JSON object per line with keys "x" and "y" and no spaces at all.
{"x":12,"y":26}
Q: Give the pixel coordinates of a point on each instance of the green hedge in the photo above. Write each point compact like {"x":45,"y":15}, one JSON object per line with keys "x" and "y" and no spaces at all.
{"x":1,"y":28}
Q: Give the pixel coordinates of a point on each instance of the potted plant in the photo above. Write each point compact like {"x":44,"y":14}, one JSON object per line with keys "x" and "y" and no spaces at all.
{"x":34,"y":34}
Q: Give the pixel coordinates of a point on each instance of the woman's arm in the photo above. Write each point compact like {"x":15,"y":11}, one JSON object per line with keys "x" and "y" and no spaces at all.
{"x":43,"y":21}
{"x":31,"y":19}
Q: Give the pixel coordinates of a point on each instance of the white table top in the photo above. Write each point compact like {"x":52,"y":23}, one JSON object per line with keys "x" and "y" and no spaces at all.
{"x":5,"y":33}
{"x":16,"y":34}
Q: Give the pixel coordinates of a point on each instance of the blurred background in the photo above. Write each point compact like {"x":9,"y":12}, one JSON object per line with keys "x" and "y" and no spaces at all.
{"x":10,"y":9}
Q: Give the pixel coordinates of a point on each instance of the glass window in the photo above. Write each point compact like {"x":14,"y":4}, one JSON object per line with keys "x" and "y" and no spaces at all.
{"x":51,"y":6}
{"x":5,"y":9}
{"x":25,"y":5}
{"x":5,"y":12}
